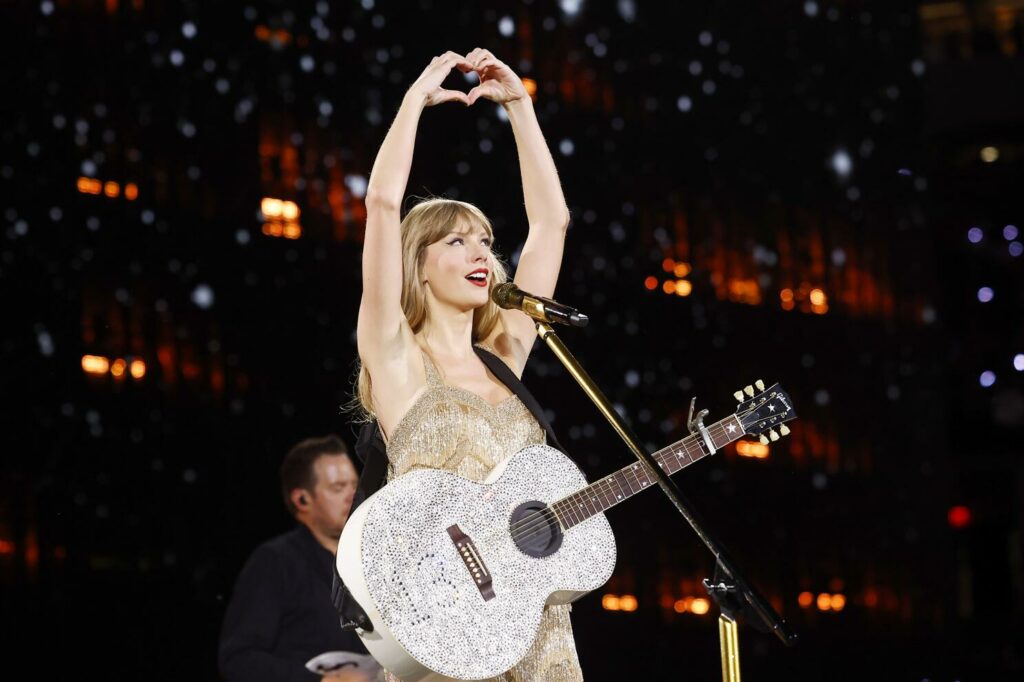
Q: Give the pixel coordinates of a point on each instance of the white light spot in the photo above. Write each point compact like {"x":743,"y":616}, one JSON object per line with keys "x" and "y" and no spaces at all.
{"x":975,"y":235}
{"x":985,"y":294}
{"x":326,"y":108}
{"x":1018,"y":362}
{"x":627,"y":10}
{"x":987,"y":378}
{"x":917,"y":67}
{"x":811,"y":8}
{"x":632,"y":378}
{"x":708,"y":87}
{"x":696,"y":68}
{"x":1016,"y":248}
{"x":356,"y":184}
{"x":242,"y":237}
{"x":566,"y":147}
{"x":705,"y":38}
{"x":506,"y":26}
{"x":684,"y":103}
{"x":841,"y":163}
{"x":570,"y":7}
{"x":307,"y":63}
{"x":202,"y":296}
{"x":45,"y":342}
{"x":46,"y":7}
{"x":177,"y":57}
{"x":1010,"y":232}
{"x":188,"y":29}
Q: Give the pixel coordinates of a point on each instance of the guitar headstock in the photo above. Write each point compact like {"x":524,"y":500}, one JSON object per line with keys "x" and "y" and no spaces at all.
{"x":764,"y":411}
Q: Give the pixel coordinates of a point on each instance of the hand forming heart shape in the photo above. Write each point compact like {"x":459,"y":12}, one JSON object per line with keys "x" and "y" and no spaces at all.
{"x":498,"y":83}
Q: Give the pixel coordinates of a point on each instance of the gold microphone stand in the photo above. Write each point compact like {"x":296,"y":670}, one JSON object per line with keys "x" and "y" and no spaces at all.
{"x":727,"y":628}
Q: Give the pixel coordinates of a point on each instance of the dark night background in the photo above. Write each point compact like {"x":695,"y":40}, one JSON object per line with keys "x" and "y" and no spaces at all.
{"x":836,"y":186}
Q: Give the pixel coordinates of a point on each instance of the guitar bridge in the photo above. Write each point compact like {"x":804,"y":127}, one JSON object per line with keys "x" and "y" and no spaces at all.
{"x":474,"y":563}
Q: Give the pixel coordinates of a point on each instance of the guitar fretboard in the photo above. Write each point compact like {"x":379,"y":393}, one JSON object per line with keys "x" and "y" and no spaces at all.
{"x":628,"y":481}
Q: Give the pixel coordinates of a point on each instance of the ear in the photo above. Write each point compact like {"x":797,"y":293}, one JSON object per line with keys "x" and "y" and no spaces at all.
{"x":300,"y":498}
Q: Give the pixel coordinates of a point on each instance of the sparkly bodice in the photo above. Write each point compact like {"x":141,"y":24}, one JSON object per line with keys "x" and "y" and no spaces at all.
{"x":454,"y":429}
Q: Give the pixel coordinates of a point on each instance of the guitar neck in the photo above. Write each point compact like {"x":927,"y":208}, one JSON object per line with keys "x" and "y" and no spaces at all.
{"x":628,"y":481}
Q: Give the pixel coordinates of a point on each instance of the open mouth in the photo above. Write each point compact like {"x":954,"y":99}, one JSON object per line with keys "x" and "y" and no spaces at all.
{"x":478,"y":277}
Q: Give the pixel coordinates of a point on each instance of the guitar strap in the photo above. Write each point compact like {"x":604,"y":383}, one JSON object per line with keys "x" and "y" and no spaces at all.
{"x":372,"y":451}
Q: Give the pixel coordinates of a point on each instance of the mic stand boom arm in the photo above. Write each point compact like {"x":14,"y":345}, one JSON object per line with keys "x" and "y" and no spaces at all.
{"x":739,"y":586}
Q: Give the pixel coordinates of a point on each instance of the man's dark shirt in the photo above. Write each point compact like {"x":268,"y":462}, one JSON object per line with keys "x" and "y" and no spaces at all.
{"x":281,"y":614}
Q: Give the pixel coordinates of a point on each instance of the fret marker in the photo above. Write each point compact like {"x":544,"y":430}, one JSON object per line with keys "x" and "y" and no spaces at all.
{"x":731,"y":427}
{"x":771,"y":408}
{"x":619,"y":496}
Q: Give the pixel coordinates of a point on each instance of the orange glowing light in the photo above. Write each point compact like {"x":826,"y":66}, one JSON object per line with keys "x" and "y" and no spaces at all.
{"x":651,"y":283}
{"x":700,"y":606}
{"x":6,"y":547}
{"x":138,"y":369}
{"x":131,"y":191}
{"x":824,"y":601}
{"x":788,"y":305}
{"x":838,"y":602}
{"x":668,"y":286}
{"x":292,"y":231}
{"x":683,"y":287}
{"x":271,"y":208}
{"x":531,"y":86}
{"x":786,"y":295}
{"x":668,"y":265}
{"x":871,"y":597}
{"x":817,"y":297}
{"x":111,"y":189}
{"x":610,"y":602}
{"x":95,"y":364}
{"x":627,"y":602}
{"x":746,"y":448}
{"x":681,"y":270}
{"x":89,"y":185}
{"x":682,"y":605}
{"x":289,"y":210}
{"x":272,"y":229}
{"x":262,"y":32}
{"x":118,"y":367}
{"x":805,"y":599}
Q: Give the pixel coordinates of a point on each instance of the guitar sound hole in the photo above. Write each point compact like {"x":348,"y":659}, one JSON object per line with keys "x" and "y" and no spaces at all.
{"x":535,"y":529}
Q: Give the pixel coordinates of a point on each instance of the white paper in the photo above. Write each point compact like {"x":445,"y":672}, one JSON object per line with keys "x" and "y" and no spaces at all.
{"x":334,"y":660}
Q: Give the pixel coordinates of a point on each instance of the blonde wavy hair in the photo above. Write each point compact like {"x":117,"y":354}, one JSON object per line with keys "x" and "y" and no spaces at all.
{"x":427,"y":222}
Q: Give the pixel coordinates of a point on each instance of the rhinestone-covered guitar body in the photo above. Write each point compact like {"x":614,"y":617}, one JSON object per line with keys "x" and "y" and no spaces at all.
{"x":432,"y":559}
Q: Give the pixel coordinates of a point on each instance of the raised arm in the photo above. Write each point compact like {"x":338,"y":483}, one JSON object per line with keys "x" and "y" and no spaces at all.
{"x":548,"y":216}
{"x":379,"y":330}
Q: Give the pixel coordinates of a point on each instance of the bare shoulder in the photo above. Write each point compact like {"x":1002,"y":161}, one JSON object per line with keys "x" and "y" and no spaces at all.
{"x":397,"y":377}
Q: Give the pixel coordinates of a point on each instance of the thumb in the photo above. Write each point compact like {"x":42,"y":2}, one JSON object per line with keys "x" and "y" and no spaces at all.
{"x":452,"y":96}
{"x":475,"y":94}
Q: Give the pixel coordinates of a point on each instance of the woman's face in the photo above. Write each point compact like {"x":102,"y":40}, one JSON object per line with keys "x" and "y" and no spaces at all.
{"x":457,"y":269}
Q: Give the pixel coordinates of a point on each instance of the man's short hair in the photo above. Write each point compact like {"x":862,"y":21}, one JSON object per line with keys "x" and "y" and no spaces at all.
{"x":297,"y":468}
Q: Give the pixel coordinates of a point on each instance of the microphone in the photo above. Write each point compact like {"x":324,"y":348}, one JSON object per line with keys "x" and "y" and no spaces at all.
{"x":511,"y":297}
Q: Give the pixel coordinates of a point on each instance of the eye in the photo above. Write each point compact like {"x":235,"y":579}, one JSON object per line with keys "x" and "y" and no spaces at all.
{"x":486,"y":242}
{"x":455,"y":240}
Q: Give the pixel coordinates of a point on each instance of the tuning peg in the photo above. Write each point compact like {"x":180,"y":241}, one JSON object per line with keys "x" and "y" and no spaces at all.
{"x":749,"y":390}
{"x":773,"y":434}
{"x":763,"y":438}
{"x":784,"y":430}
{"x":759,"y":384}
{"x":738,"y":395}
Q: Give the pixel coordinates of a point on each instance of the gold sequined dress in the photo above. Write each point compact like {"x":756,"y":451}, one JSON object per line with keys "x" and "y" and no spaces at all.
{"x":456,"y":430}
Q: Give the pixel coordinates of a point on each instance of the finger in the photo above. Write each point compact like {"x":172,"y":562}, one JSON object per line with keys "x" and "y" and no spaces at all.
{"x":478,"y":92}
{"x":486,"y":62}
{"x":452,"y":96}
{"x":451,"y":59}
{"x":474,"y":54}
{"x":483,"y":54}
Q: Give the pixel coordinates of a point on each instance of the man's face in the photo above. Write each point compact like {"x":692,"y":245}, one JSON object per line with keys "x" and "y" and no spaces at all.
{"x":331,"y":501}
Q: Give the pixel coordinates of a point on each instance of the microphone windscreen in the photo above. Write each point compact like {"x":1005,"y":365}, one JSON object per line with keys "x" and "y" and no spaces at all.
{"x":507,"y":295}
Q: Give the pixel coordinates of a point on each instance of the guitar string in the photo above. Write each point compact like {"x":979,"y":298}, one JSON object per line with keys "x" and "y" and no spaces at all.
{"x":538,"y":521}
